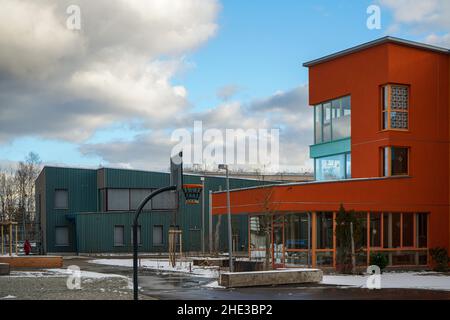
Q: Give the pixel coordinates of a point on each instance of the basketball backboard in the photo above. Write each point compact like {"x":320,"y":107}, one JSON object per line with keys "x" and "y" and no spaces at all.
{"x":176,"y":171}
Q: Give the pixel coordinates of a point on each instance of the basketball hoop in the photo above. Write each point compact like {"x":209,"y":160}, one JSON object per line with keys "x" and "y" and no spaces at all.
{"x":192,"y":193}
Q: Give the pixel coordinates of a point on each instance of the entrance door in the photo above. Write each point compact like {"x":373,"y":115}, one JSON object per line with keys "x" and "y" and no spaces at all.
{"x":278,"y":242}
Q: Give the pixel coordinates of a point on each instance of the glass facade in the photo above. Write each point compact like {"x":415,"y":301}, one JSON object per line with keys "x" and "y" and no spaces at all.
{"x":332,"y":120}
{"x":334,"y":167}
{"x":307,"y":238}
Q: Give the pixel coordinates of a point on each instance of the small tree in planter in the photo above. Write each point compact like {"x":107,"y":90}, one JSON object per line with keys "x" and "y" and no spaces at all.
{"x":379,"y":259}
{"x":440,"y":258}
{"x":348,"y":232}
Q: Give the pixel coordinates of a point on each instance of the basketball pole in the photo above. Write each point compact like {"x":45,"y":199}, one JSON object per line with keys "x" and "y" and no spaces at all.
{"x":135,"y":235}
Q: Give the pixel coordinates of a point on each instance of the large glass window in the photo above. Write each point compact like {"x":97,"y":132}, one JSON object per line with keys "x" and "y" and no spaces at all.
{"x":395,"y":161}
{"x":118,"y":199}
{"x":318,"y":124}
{"x":324,"y":230}
{"x":326,"y":122}
{"x":137,"y":196}
{"x":296,"y":231}
{"x":422,"y":230}
{"x":375,"y":229}
{"x":332,"y":120}
{"x":334,"y":167}
{"x":395,"y":105}
{"x":408,"y":229}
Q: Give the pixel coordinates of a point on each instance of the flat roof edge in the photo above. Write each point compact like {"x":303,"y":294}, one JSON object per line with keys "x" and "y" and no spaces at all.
{"x":373,"y":43}
{"x":293,"y":184}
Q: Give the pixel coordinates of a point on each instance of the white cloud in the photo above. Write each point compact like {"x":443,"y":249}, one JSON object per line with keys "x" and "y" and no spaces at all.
{"x":287,"y":111}
{"x":64,"y":84}
{"x":431,"y":17}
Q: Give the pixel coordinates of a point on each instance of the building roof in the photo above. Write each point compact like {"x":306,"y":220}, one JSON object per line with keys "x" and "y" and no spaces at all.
{"x":377,"y":42}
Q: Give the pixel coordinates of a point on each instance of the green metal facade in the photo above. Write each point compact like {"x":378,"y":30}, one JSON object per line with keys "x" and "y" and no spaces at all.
{"x":91,"y":230}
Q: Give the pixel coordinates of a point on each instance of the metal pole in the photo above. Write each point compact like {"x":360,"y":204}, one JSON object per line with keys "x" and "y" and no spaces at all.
{"x":210,"y":231}
{"x":135,"y":234}
{"x":309,"y":239}
{"x":230,"y":233}
{"x":203,"y":215}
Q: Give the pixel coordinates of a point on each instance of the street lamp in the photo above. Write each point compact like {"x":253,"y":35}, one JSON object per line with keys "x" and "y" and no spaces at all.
{"x":230,"y":240}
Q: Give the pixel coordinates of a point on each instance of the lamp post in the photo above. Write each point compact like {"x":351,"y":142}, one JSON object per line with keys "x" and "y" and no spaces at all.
{"x":230,"y":235}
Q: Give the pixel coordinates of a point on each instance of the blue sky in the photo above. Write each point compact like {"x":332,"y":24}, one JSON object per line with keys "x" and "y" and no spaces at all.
{"x":257,"y":48}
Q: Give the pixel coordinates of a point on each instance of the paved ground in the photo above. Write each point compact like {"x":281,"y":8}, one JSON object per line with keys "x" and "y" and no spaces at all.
{"x":184,"y":287}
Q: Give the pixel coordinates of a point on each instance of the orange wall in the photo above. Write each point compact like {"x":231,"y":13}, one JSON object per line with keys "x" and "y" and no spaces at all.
{"x":361,"y":74}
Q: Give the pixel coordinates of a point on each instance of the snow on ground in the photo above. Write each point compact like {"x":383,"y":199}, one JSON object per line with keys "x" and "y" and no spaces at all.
{"x":186,"y":267}
{"x":394,"y":280}
{"x":62,"y":273}
{"x":8,"y":297}
{"x":214,"y":284}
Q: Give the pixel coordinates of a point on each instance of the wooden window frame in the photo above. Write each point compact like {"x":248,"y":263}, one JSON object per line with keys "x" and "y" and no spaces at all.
{"x":388,"y":109}
{"x":389,"y":161}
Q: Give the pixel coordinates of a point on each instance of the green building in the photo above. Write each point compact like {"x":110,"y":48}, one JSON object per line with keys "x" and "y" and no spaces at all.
{"x":91,"y":211}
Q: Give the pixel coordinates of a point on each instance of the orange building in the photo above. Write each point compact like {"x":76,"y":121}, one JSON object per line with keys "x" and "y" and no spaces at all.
{"x":381,"y":148}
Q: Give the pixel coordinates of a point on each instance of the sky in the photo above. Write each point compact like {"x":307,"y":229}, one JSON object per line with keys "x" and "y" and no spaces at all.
{"x":112,"y":92}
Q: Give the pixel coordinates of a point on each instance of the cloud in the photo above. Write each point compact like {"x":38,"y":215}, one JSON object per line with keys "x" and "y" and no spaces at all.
{"x":429,"y":17}
{"x":225,"y":93}
{"x":63,"y":84}
{"x":287,"y":111}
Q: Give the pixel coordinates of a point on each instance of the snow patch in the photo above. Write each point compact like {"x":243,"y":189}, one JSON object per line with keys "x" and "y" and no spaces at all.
{"x":394,"y":280}
{"x":185,"y":267}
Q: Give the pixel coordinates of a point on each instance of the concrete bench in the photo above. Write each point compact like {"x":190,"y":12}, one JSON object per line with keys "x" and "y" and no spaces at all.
{"x":4,"y":269}
{"x":268,"y":278}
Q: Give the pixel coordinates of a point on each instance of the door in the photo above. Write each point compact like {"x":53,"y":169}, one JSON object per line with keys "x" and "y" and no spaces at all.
{"x":278,"y":242}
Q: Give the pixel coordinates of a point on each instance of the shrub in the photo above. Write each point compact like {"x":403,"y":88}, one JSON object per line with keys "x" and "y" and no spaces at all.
{"x":440,"y":257}
{"x":379,"y":259}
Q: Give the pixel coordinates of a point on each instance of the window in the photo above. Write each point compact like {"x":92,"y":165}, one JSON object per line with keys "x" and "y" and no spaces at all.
{"x":119,"y":236}
{"x":395,"y":161}
{"x":165,"y":201}
{"x":61,"y":199}
{"x":158,"y":236}
{"x":395,"y":106}
{"x":332,"y":120}
{"x":136,"y":197}
{"x":408,"y":230}
{"x":318,"y":124}
{"x":296,"y":231}
{"x":138,"y":235}
{"x":62,"y":236}
{"x":422,"y":230}
{"x":118,"y":199}
{"x":375,"y":229}
{"x":335,"y":167}
{"x":324,"y":230}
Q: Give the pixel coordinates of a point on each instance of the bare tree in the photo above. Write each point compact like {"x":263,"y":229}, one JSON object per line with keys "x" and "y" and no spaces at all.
{"x":25,"y":176}
{"x":8,"y":194}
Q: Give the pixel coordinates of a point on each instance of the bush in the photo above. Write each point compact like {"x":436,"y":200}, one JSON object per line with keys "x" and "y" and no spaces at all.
{"x":440,"y":257}
{"x":379,"y":259}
